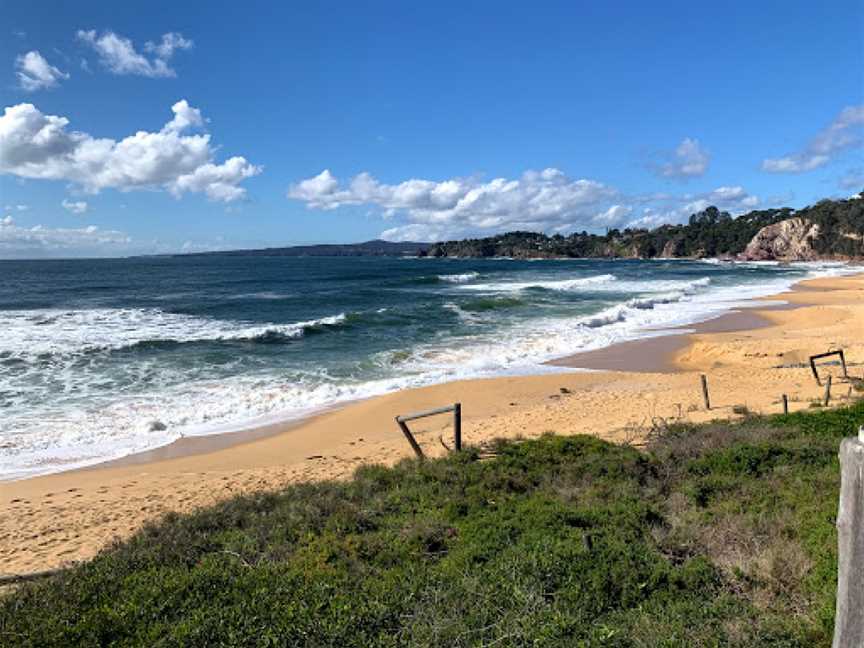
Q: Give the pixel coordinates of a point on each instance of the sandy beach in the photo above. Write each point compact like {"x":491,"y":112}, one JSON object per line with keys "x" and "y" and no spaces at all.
{"x":751,"y":358}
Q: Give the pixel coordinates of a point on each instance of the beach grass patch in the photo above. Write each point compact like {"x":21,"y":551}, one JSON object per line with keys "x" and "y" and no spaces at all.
{"x":719,"y":534}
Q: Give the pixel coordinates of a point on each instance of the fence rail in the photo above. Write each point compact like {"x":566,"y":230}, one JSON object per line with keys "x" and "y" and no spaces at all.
{"x":819,"y":356}
{"x":456,"y":408}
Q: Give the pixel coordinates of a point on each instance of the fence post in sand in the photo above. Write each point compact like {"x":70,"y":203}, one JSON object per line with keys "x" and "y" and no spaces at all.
{"x":456,"y":408}
{"x":848,"y":621}
{"x":705,"y":397}
{"x":414,"y":445}
{"x":457,"y":426}
{"x":827,"y":391}
{"x":818,"y":356}
{"x":785,"y":404}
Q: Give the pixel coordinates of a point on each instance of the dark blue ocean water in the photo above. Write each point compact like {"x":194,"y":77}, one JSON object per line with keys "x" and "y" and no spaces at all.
{"x":98,"y":356}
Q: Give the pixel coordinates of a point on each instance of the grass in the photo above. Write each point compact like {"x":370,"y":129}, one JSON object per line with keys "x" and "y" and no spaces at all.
{"x":714,"y":535}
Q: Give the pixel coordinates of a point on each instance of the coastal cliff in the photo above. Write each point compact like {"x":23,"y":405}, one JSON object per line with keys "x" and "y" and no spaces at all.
{"x":789,"y":240}
{"x":830,"y":229}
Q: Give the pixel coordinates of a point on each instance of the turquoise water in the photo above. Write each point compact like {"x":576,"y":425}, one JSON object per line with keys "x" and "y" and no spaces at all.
{"x":101,"y":358}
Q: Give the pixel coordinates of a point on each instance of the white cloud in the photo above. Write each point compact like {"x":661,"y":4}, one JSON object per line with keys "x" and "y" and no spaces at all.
{"x":615,"y":215}
{"x":35,"y":145}
{"x":76,"y":207}
{"x":688,"y":160}
{"x":170,"y":42}
{"x":19,"y":208}
{"x":536,"y":200}
{"x":852,"y":179}
{"x":678,"y":209}
{"x":35,"y":73}
{"x":841,"y":134}
{"x":118,"y":54}
{"x":39,"y":241}
{"x":547,"y":201}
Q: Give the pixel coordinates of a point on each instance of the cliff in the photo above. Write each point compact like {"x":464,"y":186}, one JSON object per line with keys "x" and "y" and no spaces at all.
{"x":788,"y":240}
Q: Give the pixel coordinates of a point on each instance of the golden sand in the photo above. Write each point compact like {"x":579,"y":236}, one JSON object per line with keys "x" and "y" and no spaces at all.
{"x":52,"y":520}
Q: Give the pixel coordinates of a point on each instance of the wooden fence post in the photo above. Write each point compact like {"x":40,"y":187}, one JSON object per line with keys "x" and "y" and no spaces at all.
{"x":456,"y":408}
{"x":827,"y":391}
{"x":457,"y":426}
{"x":414,"y":445}
{"x":848,"y":621}
{"x":785,"y":404}
{"x":705,"y":392}
{"x":818,"y":356}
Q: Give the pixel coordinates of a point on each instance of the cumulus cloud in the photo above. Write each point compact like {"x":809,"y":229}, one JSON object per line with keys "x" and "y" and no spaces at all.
{"x":536,"y":200}
{"x":688,"y":160}
{"x":615,"y":215}
{"x":840,"y":135}
{"x":118,"y":54}
{"x":660,"y":210}
{"x":36,"y":145}
{"x":76,"y":207}
{"x":35,"y":73}
{"x":545,"y":200}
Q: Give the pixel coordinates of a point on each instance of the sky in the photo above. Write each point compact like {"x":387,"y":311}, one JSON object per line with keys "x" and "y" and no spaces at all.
{"x":164,"y":127}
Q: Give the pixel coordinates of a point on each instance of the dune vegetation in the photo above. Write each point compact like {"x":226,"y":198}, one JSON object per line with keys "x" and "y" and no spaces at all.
{"x":717,"y":534}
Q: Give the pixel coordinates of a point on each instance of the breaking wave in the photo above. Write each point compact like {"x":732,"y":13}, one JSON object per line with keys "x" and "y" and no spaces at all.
{"x":37,"y":333}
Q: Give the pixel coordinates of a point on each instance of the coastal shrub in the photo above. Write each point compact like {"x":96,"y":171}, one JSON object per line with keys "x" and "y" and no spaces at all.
{"x":714,"y":534}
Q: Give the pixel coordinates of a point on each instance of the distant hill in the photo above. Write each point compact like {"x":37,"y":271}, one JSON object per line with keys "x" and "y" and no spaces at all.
{"x":830,"y":229}
{"x":369,"y":248}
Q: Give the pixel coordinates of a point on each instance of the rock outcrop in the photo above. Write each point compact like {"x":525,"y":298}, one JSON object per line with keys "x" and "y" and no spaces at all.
{"x":788,"y":240}
{"x":673,"y":248}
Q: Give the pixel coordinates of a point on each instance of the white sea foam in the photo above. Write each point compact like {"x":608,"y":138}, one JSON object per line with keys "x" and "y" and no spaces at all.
{"x":459,"y":278}
{"x":465,"y":316}
{"x":598,"y":283}
{"x":557,"y":284}
{"x":28,"y":333}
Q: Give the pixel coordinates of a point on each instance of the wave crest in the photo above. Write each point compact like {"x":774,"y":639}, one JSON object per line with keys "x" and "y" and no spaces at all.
{"x":40,"y":333}
{"x":559,"y":284}
{"x":459,"y":278}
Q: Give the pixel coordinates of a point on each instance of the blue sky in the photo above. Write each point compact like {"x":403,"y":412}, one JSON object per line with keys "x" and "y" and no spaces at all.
{"x":345,"y":121}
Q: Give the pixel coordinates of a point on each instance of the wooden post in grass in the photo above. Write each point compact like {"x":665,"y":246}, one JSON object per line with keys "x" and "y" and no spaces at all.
{"x":705,"y":392}
{"x":849,"y":621}
{"x":827,"y":391}
{"x":785,"y":404}
{"x":457,"y":426}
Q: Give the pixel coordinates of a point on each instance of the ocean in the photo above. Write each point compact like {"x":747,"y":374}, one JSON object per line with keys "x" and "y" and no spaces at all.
{"x":103,"y":358}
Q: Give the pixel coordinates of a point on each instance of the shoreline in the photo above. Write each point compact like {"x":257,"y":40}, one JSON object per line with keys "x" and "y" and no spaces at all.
{"x":647,"y":354}
{"x":753,"y":355}
{"x":642,"y":355}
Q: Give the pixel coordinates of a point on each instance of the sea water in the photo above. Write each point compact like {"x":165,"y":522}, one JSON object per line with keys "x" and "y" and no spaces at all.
{"x":103,"y":358}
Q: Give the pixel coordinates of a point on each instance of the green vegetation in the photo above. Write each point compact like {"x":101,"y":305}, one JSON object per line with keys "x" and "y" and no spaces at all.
{"x":709,"y":233}
{"x":719,"y":534}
